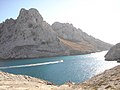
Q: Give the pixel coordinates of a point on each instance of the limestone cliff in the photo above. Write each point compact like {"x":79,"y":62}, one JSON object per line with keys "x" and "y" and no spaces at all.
{"x":113,"y":53}
{"x":86,"y":42}
{"x":29,"y":36}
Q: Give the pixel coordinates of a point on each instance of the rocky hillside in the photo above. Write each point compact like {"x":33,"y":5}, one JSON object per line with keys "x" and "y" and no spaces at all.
{"x":29,"y":36}
{"x":82,"y":40}
{"x":113,"y":53}
{"x":108,"y":80}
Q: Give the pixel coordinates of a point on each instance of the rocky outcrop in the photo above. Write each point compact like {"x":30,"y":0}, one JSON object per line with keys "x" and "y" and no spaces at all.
{"x":108,"y":80}
{"x":23,"y":82}
{"x":113,"y":53}
{"x":69,"y":32}
{"x":29,"y":36}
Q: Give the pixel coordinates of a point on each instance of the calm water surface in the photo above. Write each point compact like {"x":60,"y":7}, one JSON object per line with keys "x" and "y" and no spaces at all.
{"x":73,"y":68}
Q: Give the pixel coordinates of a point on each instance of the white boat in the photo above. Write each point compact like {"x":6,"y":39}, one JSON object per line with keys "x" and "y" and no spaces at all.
{"x":61,"y":60}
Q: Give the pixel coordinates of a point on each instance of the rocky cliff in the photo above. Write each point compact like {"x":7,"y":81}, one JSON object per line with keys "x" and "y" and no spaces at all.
{"x":108,"y":80}
{"x":29,"y":36}
{"x":77,"y":39}
{"x":113,"y":53}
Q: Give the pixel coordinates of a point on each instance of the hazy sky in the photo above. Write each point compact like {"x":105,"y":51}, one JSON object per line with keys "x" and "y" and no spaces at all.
{"x":99,"y":18}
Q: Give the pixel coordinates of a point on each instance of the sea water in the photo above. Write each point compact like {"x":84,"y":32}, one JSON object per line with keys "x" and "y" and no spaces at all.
{"x":59,"y":70}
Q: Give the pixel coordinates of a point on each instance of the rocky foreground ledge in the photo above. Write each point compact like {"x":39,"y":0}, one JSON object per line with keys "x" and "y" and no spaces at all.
{"x":108,"y":80}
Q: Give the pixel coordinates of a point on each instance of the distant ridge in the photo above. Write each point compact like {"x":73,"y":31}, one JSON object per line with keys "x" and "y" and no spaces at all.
{"x":29,"y":36}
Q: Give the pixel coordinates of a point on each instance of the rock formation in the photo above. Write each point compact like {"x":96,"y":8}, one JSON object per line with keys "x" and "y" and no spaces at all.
{"x":29,"y":36}
{"x":113,"y":53}
{"x":108,"y":80}
{"x":77,"y":39}
{"x":23,"y":82}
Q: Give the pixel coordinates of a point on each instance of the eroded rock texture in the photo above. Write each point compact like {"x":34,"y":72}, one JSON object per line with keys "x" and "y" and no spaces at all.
{"x":29,"y":36}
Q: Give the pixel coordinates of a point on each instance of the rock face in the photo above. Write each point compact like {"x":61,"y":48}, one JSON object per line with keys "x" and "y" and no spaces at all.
{"x":108,"y":80}
{"x":88,"y":43}
{"x":113,"y":53}
{"x":29,"y":36}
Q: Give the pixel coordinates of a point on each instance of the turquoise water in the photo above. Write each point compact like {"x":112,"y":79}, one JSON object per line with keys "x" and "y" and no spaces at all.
{"x":73,"y":68}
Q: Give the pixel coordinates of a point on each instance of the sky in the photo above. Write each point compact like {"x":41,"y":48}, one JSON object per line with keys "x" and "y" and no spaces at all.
{"x":99,"y":18}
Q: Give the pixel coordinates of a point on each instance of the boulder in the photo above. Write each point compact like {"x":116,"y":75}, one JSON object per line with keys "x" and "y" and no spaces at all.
{"x":114,"y":53}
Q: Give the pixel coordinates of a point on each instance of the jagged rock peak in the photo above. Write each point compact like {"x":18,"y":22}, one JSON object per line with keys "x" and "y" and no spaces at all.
{"x":63,"y":23}
{"x":31,"y":14}
{"x":67,"y":31}
{"x":33,"y":10}
{"x":59,"y":25}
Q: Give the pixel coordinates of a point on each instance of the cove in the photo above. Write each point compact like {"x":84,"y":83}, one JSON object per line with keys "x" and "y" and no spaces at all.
{"x":76,"y":68}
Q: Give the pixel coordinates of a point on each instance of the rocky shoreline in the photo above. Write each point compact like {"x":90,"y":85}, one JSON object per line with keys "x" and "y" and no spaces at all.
{"x":114,"y":53}
{"x":108,"y":80}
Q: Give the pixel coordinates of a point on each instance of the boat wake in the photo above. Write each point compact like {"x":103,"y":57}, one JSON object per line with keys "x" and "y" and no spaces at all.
{"x":29,"y":65}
